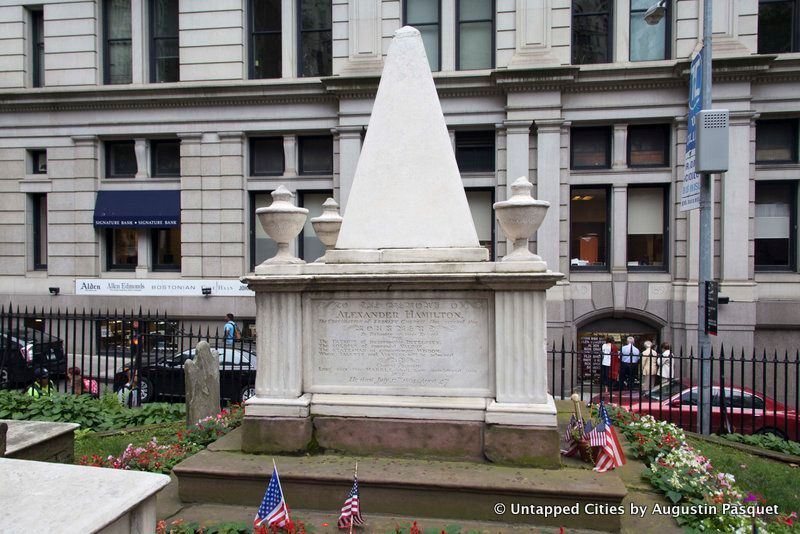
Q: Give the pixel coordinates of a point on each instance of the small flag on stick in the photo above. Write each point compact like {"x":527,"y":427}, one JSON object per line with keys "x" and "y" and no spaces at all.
{"x":273,"y":509}
{"x":605,"y":437}
{"x":351,"y":511}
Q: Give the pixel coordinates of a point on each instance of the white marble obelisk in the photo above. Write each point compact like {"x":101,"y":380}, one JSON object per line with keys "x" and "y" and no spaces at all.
{"x":408,"y":202}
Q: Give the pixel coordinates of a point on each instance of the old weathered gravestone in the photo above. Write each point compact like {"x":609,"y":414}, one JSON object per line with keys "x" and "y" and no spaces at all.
{"x":3,"y":432}
{"x":202,"y":384}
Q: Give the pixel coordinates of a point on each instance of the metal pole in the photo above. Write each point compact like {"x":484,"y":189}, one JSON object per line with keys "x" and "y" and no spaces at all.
{"x":703,"y":340}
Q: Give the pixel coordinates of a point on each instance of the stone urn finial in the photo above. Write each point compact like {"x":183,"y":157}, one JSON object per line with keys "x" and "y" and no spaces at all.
{"x":327,"y":225}
{"x":282,"y":221}
{"x":519,"y":217}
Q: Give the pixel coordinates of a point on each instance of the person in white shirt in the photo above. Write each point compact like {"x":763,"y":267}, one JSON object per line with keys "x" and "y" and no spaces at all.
{"x":629,"y":356}
{"x":665,"y":362}
{"x":607,"y":351}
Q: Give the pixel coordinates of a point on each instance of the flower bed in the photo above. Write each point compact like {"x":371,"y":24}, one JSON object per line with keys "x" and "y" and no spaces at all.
{"x":706,"y":501}
{"x":161,"y":458}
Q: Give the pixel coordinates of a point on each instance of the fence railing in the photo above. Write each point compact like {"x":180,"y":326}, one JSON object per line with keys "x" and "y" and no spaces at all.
{"x":137,"y":355}
{"x":140,"y":357}
{"x":752,"y":391}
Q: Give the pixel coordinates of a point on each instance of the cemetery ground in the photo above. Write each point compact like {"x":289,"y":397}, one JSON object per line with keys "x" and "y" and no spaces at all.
{"x":771,"y":480}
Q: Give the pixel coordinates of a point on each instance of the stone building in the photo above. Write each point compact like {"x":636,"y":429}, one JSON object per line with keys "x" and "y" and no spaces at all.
{"x":137,"y":137}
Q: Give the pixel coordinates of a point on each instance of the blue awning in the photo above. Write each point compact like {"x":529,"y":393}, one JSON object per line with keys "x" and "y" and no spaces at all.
{"x":138,"y":209}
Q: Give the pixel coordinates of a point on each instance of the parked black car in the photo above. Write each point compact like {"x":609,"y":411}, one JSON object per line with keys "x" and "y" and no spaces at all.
{"x":164,"y":380}
{"x":24,"y":349}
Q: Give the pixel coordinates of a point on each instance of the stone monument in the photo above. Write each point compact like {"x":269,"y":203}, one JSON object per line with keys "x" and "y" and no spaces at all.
{"x":406,"y":339}
{"x":202,"y":384}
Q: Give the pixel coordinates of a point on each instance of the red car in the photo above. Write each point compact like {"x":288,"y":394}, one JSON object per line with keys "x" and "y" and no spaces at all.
{"x":746,"y":411}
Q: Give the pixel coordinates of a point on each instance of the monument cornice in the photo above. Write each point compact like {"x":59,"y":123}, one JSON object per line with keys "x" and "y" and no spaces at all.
{"x":389,"y":281}
{"x":154,"y":97}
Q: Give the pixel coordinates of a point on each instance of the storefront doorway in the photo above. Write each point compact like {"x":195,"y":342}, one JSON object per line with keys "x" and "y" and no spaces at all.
{"x":592,"y":335}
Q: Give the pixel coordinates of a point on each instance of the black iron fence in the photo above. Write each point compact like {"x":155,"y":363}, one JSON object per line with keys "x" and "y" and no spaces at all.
{"x":752,"y":392}
{"x":137,"y":355}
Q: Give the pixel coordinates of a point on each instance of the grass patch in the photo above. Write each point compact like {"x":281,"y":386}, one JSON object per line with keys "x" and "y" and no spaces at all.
{"x":114,"y":444}
{"x":775,"y":481}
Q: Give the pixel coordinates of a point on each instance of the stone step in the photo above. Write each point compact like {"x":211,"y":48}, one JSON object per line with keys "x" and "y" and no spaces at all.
{"x":407,"y":487}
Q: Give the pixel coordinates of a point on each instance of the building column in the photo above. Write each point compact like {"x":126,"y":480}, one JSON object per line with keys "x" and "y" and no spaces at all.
{"x":518,"y":163}
{"x":191,"y":205}
{"x":288,"y":39}
{"x":619,"y":148}
{"x":448,"y":35}
{"x":736,"y":203}
{"x":349,"y":151}
{"x":618,"y":219}
{"x":140,"y":150}
{"x":290,"y":155}
{"x":517,"y":149}
{"x":548,"y":187}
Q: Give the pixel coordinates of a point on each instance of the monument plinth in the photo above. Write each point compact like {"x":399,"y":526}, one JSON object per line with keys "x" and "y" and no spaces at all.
{"x":406,"y":339}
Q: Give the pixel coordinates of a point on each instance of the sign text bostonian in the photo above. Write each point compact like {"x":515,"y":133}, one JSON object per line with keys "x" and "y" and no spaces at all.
{"x":412,"y":346}
{"x":160,"y":288}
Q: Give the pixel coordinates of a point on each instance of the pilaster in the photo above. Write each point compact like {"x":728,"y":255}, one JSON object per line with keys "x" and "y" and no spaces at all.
{"x":736,"y":202}
{"x":349,"y":151}
{"x":280,"y":359}
{"x":548,"y":187}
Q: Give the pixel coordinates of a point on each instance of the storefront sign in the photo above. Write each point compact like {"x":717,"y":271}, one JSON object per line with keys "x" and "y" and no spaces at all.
{"x":690,"y":191}
{"x":160,"y":288}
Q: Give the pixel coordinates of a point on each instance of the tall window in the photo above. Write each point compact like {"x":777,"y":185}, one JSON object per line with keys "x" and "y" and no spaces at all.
{"x":316,"y":154}
{"x":164,"y":64}
{"x":265,"y":39}
{"x":590,"y":147}
{"x":480,"y":206}
{"x":315,"y":38}
{"x":39,"y":219}
{"x":122,"y":249}
{"x":425,"y":15}
{"x":166,"y":249}
{"x":120,"y":159}
{"x":777,"y":26}
{"x":591,"y":31}
{"x":589,"y":228}
{"x":37,"y":51}
{"x":776,"y":225}
{"x":776,"y":141}
{"x":646,"y":228}
{"x":475,"y":151}
{"x":475,"y":31}
{"x":648,"y":145}
{"x":648,"y":42}
{"x":117,"y":50}
{"x":266,"y":156}
{"x":311,"y":247}
{"x":166,"y":157}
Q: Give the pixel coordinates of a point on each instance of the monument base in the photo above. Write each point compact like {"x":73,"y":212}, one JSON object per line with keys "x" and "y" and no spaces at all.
{"x":472,"y":429}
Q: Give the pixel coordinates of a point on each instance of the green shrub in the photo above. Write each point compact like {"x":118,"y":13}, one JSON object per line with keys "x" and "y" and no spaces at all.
{"x":767,"y":441}
{"x":105,"y":413}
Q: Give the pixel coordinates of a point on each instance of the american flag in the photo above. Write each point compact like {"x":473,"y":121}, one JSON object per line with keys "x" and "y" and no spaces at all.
{"x":604,"y":436}
{"x":273,"y":509}
{"x":572,"y":445}
{"x":351,"y":511}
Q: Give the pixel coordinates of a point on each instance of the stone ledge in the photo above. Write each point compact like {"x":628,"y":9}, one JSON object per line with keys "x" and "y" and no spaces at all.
{"x":418,"y":488}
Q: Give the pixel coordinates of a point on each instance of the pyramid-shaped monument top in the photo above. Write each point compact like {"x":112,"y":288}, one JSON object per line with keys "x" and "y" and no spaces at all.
{"x":407,"y":202}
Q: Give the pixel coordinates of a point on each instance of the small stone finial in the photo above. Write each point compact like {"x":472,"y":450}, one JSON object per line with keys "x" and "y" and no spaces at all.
{"x":282,"y":221}
{"x":519,"y":217}
{"x":327,"y":225}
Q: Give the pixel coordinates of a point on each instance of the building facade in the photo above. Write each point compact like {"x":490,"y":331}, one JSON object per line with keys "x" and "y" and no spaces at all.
{"x":137,"y":138}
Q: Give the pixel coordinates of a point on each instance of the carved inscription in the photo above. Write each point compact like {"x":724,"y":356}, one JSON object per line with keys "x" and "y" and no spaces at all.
{"x":425,"y":345}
